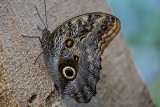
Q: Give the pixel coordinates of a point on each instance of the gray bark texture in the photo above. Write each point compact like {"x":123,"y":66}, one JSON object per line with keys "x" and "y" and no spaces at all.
{"x":23,"y":84}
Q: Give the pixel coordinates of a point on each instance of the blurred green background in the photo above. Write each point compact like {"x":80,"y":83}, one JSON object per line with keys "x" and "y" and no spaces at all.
{"x":141,"y":29}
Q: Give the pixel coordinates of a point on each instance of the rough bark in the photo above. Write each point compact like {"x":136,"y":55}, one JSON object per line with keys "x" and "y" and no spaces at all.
{"x":23,"y":84}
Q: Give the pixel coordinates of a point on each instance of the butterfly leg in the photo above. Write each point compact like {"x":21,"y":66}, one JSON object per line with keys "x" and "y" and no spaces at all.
{"x":38,"y":57}
{"x":40,"y":42}
{"x":32,"y":37}
{"x":40,"y":29}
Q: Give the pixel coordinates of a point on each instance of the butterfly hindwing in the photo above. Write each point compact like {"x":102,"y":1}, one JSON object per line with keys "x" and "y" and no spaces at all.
{"x":72,"y":53}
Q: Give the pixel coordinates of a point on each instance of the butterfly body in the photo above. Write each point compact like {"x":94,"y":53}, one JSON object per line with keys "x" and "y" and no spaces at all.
{"x":72,"y":53}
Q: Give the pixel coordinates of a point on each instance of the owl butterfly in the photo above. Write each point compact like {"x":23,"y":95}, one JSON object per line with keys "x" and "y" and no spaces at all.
{"x":72,"y":52}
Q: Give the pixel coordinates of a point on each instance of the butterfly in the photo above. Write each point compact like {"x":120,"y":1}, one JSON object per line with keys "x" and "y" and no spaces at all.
{"x":72,"y":52}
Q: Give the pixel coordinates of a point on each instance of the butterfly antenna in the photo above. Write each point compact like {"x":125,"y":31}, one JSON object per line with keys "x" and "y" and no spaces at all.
{"x":45,"y":13}
{"x":40,"y":17}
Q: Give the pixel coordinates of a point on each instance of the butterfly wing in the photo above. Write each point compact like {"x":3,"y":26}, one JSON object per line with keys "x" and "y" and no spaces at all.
{"x":73,"y":59}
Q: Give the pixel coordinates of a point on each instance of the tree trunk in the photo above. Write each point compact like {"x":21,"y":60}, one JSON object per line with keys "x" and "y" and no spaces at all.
{"x":23,"y":84}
